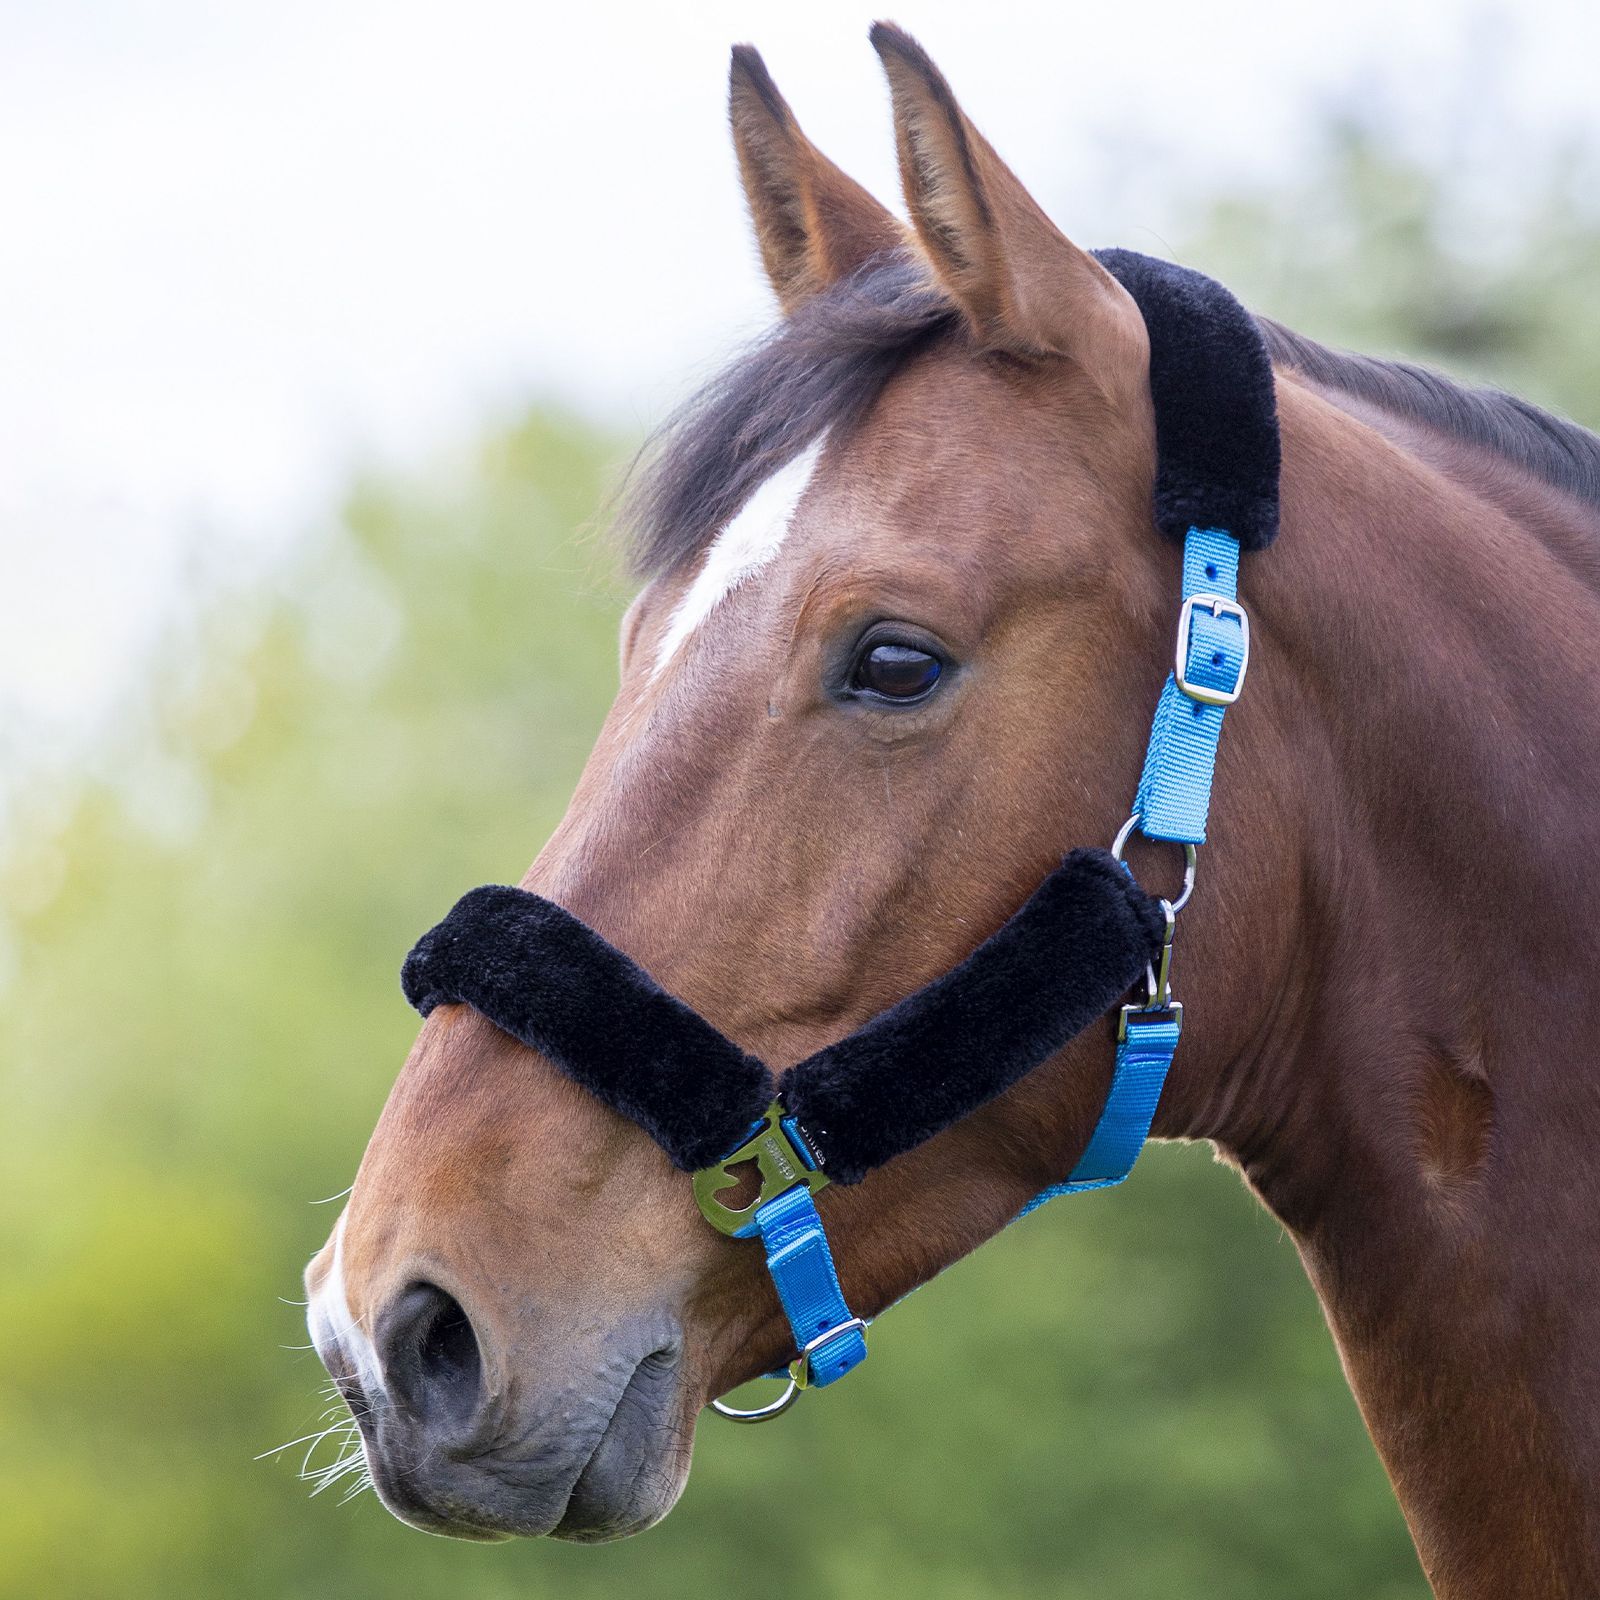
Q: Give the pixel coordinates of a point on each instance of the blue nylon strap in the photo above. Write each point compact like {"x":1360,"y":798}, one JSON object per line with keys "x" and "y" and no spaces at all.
{"x":802,"y":1268}
{"x":1172,"y":801}
{"x":1143,"y":1058}
{"x":1175,"y":789}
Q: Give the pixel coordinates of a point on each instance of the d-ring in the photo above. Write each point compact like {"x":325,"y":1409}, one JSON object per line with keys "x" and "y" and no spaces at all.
{"x":790,"y":1394}
{"x":1120,"y":843}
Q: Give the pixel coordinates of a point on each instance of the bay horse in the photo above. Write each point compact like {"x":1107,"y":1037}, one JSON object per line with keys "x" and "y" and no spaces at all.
{"x":901,"y":626}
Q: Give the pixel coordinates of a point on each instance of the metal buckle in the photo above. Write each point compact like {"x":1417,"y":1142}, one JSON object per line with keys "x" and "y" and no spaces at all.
{"x":1218,"y":605}
{"x":779,"y":1158}
{"x":800,"y":1367}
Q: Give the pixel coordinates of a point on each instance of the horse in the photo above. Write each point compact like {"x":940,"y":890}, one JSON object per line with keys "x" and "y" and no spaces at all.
{"x":900,"y":621}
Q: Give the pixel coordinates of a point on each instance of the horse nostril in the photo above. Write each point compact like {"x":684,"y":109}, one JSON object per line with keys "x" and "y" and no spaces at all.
{"x":430,"y":1354}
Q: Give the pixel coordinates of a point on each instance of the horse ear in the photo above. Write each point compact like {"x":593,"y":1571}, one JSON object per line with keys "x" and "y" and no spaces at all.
{"x":814,"y":224}
{"x":1023,"y":285}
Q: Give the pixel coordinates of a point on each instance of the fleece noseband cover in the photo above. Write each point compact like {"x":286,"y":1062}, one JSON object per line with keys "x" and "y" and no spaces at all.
{"x":1067,"y":956}
{"x":544,"y":977}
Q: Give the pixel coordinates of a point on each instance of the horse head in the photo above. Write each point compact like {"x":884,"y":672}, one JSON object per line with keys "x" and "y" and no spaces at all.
{"x":901,"y":620}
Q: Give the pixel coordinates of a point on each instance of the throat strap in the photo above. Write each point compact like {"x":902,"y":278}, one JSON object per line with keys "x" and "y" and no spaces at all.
{"x":1144,"y":1056}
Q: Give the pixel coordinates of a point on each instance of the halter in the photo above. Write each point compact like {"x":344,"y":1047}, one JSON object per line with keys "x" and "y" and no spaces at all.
{"x":1068,"y":956}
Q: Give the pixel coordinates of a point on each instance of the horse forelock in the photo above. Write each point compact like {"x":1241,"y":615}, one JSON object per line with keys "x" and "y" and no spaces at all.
{"x":816,"y":373}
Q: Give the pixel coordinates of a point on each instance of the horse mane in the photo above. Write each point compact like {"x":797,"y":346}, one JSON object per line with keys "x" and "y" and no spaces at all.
{"x":1549,"y":447}
{"x":820,"y":370}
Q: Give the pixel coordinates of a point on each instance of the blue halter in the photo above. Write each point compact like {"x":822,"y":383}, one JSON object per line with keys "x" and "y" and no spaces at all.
{"x":1172,"y":801}
{"x":1064,"y":959}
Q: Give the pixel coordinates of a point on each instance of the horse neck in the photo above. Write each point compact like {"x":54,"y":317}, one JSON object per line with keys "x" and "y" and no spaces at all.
{"x":1418,"y":1100}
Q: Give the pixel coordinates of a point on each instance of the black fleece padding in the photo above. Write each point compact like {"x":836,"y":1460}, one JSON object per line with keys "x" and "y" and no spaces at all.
{"x":1217,"y":450}
{"x":541,"y":975}
{"x":544,"y":977}
{"x":1064,"y":959}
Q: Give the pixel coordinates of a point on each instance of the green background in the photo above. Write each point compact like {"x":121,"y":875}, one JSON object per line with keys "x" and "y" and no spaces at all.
{"x":1131,"y":1394}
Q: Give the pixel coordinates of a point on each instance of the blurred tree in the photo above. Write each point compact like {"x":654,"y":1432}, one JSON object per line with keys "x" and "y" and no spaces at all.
{"x":1375,"y":252}
{"x":1128,"y":1395}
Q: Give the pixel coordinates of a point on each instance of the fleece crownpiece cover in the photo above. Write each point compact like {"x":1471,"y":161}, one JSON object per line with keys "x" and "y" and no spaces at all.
{"x":1217,"y":445}
{"x":1069,"y":953}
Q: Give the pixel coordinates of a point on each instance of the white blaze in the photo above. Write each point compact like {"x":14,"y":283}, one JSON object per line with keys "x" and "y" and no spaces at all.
{"x":329,"y":1313}
{"x":742,"y":549}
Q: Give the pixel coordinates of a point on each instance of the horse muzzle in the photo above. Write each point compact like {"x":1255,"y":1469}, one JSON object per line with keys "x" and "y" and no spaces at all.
{"x":581,"y":1438}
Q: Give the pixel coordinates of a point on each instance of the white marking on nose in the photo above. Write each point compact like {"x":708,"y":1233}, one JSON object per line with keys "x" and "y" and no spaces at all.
{"x":330,"y":1319}
{"x":751,"y":539}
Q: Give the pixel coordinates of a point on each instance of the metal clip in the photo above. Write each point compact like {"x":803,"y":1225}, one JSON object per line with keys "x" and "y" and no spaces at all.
{"x":1158,"y":1000}
{"x":1158,"y":974}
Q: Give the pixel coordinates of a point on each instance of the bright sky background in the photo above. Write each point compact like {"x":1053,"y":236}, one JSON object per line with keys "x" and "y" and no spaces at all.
{"x":247,"y":243}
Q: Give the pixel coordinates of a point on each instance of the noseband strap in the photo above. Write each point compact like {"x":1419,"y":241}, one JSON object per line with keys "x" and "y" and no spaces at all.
{"x":1073,"y":950}
{"x":1068,"y":955}
{"x":537,"y":972}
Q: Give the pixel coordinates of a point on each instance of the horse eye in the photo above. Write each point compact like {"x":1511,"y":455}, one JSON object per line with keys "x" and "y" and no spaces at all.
{"x":897,"y":672}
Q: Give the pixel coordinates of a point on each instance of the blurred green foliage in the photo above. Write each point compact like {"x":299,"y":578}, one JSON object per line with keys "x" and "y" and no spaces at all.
{"x":1129,"y":1395}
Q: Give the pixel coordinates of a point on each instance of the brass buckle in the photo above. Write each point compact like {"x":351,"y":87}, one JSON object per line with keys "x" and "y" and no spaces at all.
{"x":779,"y":1161}
{"x":1218,"y":605}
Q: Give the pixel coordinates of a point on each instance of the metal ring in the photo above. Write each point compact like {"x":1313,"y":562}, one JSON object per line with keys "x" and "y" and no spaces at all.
{"x":1120,"y":843}
{"x":765,"y":1413}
